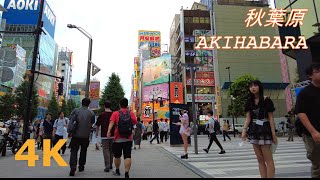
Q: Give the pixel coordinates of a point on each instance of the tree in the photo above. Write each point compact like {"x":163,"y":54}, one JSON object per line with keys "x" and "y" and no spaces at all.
{"x":240,"y":93}
{"x":112,"y":92}
{"x":64,"y":108}
{"x":71,"y":106}
{"x":53,"y":107}
{"x":21,"y":94}
{"x":7,"y":109}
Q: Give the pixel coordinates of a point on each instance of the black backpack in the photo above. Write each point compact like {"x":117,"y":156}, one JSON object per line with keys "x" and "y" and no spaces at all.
{"x":216,"y":126}
{"x":125,"y":124}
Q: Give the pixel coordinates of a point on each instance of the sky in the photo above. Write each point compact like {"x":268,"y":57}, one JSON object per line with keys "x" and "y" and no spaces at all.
{"x":114,"y":27}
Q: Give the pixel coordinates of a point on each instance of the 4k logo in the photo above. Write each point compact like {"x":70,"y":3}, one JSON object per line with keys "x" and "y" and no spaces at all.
{"x":48,"y":152}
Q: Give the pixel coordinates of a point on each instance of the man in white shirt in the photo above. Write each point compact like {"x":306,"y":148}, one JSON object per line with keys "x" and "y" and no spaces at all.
{"x":166,"y":129}
{"x":59,"y":130}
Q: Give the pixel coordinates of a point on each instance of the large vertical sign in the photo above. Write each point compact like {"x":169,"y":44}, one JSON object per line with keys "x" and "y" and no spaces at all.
{"x":151,"y":39}
{"x":156,"y":91}
{"x":175,"y":137}
{"x":176,"y":93}
{"x":94,"y":90}
{"x":157,"y":71}
{"x":27,"y":12}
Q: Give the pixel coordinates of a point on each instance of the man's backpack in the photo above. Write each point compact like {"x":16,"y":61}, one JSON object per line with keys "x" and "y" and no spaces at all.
{"x":125,"y":124}
{"x":73,"y":123}
{"x":216,"y":126}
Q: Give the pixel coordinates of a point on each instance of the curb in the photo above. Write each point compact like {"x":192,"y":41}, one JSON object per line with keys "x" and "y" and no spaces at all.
{"x":186,"y":164}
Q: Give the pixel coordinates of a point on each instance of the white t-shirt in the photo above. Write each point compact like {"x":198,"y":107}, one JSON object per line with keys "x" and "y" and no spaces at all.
{"x":60,"y":125}
{"x":165,"y":127}
{"x":211,"y":121}
{"x":161,"y":126}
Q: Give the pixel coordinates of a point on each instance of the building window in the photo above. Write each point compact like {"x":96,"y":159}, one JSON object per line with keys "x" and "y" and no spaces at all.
{"x":196,"y":19}
{"x":63,"y":64}
{"x":207,"y":20}
{"x":62,"y":71}
{"x":202,"y":20}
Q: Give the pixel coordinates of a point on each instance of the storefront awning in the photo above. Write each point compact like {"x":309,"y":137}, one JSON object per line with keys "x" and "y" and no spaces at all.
{"x":270,"y":86}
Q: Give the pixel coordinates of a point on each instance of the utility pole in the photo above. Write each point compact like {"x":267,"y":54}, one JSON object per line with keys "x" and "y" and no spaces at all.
{"x":38,"y":33}
{"x":192,"y":68}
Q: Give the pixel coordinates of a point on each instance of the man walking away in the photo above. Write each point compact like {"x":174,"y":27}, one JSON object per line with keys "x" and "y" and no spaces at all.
{"x":225,"y":129}
{"x":138,"y":132}
{"x":308,"y":110}
{"x":166,"y":129}
{"x":123,"y":120}
{"x":47,"y":128}
{"x":155,"y":132}
{"x":213,"y":135}
{"x":161,"y":128}
{"x":104,"y":121}
{"x":149,"y":131}
{"x":80,"y":138}
{"x":59,"y":130}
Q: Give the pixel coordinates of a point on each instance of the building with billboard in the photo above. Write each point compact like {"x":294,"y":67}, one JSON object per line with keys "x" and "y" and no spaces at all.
{"x":22,"y":16}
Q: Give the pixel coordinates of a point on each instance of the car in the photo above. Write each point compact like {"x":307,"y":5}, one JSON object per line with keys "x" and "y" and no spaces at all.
{"x":238,"y":128}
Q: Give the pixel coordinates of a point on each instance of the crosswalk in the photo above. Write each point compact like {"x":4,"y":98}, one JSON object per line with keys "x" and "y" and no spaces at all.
{"x":240,"y":161}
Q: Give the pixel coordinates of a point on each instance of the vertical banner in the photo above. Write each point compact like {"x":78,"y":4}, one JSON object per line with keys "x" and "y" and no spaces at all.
{"x":153,"y":39}
{"x":175,"y":137}
{"x":157,"y":71}
{"x":176,"y":93}
{"x":94,"y":90}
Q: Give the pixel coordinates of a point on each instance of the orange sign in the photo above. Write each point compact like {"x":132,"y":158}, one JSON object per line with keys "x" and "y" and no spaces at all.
{"x":176,"y":93}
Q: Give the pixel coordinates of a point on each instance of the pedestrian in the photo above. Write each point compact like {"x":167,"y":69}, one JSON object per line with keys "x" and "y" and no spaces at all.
{"x":184,"y":131}
{"x":259,"y":119}
{"x":123,"y":120}
{"x":103,"y":122}
{"x":149,"y":131}
{"x":36,"y":129}
{"x":225,"y":129}
{"x":138,"y":132}
{"x":290,"y":126}
{"x":59,"y":130}
{"x":161,"y":129}
{"x":166,"y":129}
{"x":40,"y":138}
{"x":156,"y":131}
{"x":206,"y":129}
{"x":95,"y":138}
{"x":48,"y":128}
{"x":81,"y":136}
{"x":307,"y":109}
{"x":213,"y":134}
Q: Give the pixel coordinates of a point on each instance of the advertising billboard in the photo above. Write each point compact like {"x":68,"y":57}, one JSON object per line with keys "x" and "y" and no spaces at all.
{"x":27,"y":12}
{"x":156,"y":91}
{"x":160,"y":112}
{"x":94,"y":90}
{"x":202,"y":82}
{"x":203,"y":98}
{"x":157,"y":71}
{"x":153,"y":39}
{"x":176,"y":93}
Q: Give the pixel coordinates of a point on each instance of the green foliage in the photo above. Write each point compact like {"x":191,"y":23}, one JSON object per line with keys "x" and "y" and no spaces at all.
{"x":239,"y":90}
{"x":71,"y":106}
{"x":7,"y":109}
{"x":53,"y":107}
{"x":64,"y":108}
{"x":21,"y":94}
{"x":112,"y":92}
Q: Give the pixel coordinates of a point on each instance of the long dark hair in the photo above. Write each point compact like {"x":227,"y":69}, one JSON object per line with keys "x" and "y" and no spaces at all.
{"x":251,"y":95}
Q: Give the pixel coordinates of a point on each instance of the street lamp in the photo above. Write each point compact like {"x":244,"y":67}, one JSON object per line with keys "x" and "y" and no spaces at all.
{"x":231,"y":98}
{"x":71,"y":26}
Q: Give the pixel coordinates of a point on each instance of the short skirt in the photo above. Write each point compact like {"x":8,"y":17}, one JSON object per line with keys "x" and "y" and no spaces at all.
{"x":260,"y":134}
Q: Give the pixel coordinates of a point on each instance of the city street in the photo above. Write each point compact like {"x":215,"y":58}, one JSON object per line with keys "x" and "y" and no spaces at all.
{"x":149,"y":162}
{"x":290,"y":159}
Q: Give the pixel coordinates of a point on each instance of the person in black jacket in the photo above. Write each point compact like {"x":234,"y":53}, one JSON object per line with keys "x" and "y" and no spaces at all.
{"x":155,"y":132}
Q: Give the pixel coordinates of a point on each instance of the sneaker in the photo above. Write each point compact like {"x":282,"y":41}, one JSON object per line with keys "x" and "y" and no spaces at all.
{"x":206,"y":150}
{"x":116,"y":173}
{"x":81,"y":168}
{"x":222,"y":152}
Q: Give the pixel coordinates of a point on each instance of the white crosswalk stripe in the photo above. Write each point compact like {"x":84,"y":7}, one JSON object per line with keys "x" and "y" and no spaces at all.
{"x":240,"y":161}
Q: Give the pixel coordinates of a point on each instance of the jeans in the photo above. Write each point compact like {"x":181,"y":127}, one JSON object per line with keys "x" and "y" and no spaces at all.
{"x":107,"y":152}
{"x":213,"y":137}
{"x":75,"y":144}
{"x":313,"y":155}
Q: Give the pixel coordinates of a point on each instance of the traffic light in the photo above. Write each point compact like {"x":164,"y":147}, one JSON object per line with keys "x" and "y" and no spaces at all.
{"x":60,"y":89}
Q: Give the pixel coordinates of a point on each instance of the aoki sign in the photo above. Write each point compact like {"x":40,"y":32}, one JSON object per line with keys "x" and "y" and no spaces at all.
{"x":203,"y":98}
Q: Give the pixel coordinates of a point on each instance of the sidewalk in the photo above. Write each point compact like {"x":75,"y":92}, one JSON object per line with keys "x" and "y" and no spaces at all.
{"x":150,"y":161}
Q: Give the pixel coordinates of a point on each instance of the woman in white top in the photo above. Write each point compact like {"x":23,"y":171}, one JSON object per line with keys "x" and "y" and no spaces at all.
{"x":184,"y":131}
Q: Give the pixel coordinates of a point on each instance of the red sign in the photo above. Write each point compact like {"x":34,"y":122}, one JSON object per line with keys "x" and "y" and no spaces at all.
{"x":176,"y":92}
{"x":202,"y":82}
{"x":42,"y":93}
{"x":204,"y":75}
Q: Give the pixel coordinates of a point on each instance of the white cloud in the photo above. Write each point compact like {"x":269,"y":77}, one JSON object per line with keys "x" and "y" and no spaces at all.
{"x":114,"y":27}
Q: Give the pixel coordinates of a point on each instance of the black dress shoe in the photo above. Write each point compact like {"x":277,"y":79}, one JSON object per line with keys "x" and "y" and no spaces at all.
{"x":72,"y":172}
{"x":81,"y":168}
{"x":184,"y":156}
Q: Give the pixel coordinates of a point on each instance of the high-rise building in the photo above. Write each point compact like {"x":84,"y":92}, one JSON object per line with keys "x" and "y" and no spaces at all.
{"x":22,"y":16}
{"x":64,"y":65}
